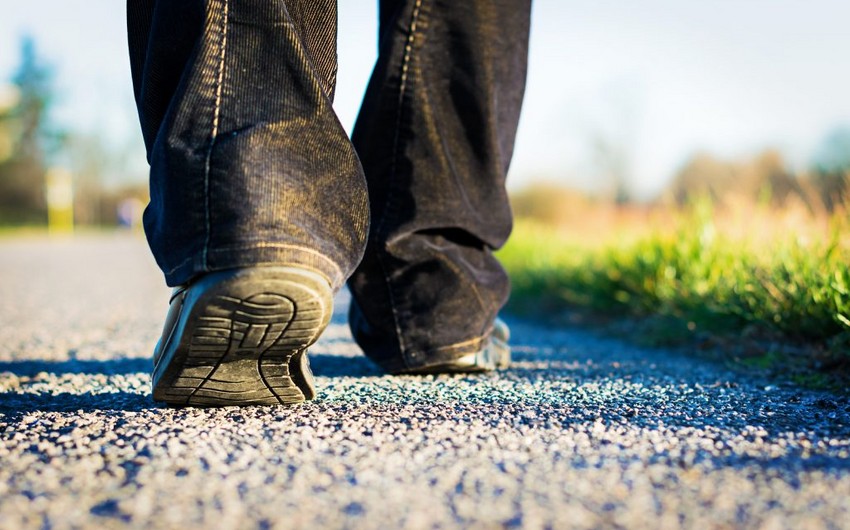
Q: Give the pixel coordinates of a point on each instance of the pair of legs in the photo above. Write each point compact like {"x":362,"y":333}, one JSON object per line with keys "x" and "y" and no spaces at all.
{"x":250,"y":167}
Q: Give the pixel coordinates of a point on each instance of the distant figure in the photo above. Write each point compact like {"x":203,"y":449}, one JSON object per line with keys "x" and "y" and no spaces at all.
{"x":129,"y":212}
{"x":262,"y":207}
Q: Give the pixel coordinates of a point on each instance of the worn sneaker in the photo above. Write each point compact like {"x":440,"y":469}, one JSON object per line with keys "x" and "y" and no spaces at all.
{"x":240,"y":337}
{"x":494,"y":355}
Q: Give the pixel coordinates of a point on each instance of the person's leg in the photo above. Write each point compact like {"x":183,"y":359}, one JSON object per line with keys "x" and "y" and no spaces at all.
{"x":258,"y":202}
{"x":249,"y":164}
{"x":435,"y":136}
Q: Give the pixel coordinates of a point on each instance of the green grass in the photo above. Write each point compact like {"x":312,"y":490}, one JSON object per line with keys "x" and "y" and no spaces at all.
{"x":689,"y":282}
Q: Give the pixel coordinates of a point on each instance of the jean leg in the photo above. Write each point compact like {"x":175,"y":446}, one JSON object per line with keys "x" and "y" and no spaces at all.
{"x":249,"y":164}
{"x":435,"y":136}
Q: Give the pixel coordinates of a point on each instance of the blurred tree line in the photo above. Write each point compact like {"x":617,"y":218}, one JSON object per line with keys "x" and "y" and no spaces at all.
{"x":27,"y":140}
{"x":767,"y":180}
{"x":764,"y":180}
{"x":31,"y":143}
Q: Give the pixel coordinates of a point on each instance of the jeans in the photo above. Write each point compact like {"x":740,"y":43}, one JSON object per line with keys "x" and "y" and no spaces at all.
{"x":250,"y":165}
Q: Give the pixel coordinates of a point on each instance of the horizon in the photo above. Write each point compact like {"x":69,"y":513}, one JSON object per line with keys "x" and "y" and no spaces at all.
{"x":655,"y":83}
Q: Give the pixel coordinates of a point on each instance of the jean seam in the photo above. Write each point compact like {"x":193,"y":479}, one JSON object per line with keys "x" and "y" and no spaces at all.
{"x":179,"y":265}
{"x":333,"y":264}
{"x":389,"y":202}
{"x":219,"y":83}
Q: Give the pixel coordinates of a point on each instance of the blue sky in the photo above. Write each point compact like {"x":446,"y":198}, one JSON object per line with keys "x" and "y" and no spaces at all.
{"x":659,"y":78}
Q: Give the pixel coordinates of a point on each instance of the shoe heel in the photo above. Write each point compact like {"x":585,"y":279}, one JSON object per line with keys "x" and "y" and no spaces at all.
{"x":243,"y":337}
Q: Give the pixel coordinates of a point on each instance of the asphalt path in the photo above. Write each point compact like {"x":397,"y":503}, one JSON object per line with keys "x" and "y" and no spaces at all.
{"x":581,"y":432}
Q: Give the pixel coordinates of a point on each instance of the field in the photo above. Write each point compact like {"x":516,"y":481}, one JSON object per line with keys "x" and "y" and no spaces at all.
{"x":754,"y":286}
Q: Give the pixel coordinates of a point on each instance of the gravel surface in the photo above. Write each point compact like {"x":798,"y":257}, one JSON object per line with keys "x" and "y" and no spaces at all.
{"x":581,"y":432}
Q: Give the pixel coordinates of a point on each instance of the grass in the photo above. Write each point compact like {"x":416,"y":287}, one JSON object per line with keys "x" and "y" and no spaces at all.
{"x":776,"y":291}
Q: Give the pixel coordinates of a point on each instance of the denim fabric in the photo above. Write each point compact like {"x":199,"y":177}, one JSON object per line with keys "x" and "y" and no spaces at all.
{"x":249,"y":165}
{"x":435,"y":136}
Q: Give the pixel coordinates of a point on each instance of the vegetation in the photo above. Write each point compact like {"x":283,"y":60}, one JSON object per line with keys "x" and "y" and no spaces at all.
{"x":31,"y":144}
{"x":779,"y":288}
{"x":28,"y":140}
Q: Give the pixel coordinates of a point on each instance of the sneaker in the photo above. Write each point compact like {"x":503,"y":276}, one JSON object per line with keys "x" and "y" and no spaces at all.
{"x":494,"y":355}
{"x":240,"y":337}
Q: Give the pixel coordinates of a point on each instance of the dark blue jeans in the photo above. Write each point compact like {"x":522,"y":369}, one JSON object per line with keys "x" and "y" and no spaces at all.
{"x":250,"y":166}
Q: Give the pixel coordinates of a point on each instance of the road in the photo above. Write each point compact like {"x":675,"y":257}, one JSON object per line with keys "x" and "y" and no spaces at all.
{"x":582,"y":431}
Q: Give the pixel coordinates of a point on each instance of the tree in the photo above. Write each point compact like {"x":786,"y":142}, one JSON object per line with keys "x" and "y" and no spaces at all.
{"x":763,"y":179}
{"x":8,"y":100}
{"x":34,"y":139}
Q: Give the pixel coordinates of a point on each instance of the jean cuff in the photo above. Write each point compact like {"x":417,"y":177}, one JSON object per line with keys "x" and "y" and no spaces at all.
{"x":257,"y":255}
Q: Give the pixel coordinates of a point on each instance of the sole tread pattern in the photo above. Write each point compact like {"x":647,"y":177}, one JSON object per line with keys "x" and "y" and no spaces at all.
{"x":243,"y":340}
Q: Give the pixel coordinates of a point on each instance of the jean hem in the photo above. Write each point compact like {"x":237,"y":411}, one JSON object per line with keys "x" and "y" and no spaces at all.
{"x":258,"y":255}
{"x":416,"y":360}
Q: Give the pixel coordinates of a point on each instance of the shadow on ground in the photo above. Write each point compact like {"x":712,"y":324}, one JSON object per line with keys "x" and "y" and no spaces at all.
{"x":14,"y":404}
{"x":326,"y":365}
{"x":563,"y":391}
{"x":31,"y":368}
{"x":323,"y":364}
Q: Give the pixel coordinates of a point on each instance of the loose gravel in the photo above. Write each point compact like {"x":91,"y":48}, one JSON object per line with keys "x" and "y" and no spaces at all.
{"x":582,"y":432}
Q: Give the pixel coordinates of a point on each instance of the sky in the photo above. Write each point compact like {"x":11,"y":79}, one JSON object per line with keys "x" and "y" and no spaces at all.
{"x":657,"y":79}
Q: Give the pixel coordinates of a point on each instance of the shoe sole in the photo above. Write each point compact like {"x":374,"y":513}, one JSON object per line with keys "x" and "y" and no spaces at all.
{"x":243,"y":340}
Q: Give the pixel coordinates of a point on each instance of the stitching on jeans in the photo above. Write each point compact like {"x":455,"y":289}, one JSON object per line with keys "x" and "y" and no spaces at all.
{"x":180,"y":265}
{"x":325,"y":258}
{"x":316,"y":253}
{"x":467,"y":346}
{"x":300,"y":265}
{"x":402,"y":88}
{"x":214,"y":132}
{"x":389,"y":203}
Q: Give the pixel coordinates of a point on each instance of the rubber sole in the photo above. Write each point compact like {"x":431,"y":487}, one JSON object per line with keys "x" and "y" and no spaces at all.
{"x":241,"y":339}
